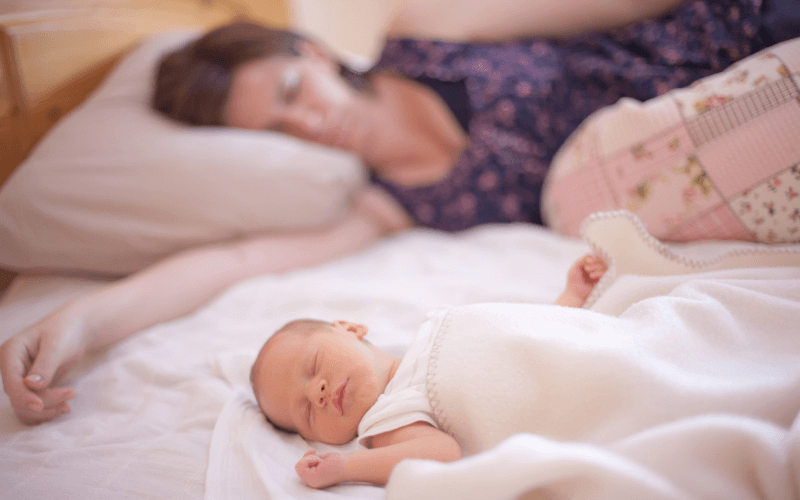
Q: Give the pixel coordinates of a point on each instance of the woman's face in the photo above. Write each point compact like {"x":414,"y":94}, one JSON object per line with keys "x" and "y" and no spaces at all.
{"x":303,"y":96}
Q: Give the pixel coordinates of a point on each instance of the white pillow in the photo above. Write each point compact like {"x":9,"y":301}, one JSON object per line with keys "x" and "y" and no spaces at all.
{"x":115,"y":186}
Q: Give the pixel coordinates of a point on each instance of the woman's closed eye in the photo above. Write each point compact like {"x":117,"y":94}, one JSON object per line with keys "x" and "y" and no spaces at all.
{"x":290,"y":85}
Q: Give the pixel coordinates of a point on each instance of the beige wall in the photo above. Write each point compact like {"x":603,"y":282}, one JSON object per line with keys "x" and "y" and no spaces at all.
{"x":348,"y":26}
{"x":54,"y":52}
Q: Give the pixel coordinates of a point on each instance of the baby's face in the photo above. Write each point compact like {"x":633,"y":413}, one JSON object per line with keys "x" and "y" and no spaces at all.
{"x":320,"y":384}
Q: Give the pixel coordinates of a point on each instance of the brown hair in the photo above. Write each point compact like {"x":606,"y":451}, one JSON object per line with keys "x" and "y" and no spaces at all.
{"x":193,"y":82}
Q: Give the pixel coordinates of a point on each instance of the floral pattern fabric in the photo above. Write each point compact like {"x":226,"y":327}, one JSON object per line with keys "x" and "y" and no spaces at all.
{"x":718,"y":159}
{"x":527,"y":96}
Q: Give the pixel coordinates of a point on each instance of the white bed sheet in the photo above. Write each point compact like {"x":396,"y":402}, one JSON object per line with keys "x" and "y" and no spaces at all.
{"x":142,"y":421}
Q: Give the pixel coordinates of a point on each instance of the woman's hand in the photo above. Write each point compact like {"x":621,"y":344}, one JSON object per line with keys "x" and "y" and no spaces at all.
{"x":383,"y":209}
{"x":31,"y":360}
{"x":320,"y":471}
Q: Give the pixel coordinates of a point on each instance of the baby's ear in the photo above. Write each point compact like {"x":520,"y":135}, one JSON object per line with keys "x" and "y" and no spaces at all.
{"x":357,"y":329}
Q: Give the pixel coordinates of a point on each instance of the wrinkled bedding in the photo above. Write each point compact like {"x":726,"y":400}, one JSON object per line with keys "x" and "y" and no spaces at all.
{"x":169,"y":414}
{"x":141,"y":425}
{"x":684,"y":383}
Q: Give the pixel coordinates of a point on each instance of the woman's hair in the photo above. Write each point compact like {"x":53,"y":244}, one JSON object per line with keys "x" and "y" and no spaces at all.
{"x":193,"y":82}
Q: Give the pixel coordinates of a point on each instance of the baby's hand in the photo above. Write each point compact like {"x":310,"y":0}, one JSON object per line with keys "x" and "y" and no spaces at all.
{"x":582,"y":278}
{"x":320,"y":471}
{"x":585,"y":274}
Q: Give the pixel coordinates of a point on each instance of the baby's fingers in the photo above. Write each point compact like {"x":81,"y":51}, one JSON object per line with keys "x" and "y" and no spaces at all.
{"x":596,"y":272}
{"x":310,"y":459}
{"x":306,"y":466}
{"x":594,"y":266}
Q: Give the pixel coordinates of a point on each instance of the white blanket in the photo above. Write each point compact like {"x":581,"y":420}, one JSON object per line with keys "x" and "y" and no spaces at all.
{"x":577,"y":375}
{"x":688,"y":395}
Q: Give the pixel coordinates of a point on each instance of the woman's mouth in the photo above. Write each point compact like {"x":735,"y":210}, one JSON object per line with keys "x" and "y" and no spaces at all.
{"x":336,"y":137}
{"x":337,"y":132}
{"x":338,"y":400}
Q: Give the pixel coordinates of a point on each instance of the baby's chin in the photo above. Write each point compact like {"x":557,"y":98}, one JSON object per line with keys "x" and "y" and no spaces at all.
{"x":352,"y":434}
{"x":339,"y":440}
{"x":344,"y":441}
{"x":345,"y":436}
{"x":346,"y":433}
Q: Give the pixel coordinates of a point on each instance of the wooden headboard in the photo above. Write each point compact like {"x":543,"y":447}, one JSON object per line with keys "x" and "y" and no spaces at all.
{"x":53,"y":53}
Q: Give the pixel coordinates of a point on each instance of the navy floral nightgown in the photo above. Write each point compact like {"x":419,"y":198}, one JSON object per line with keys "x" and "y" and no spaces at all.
{"x":525,"y":97}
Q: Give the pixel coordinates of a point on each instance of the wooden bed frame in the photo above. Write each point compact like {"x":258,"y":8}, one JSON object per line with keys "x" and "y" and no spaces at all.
{"x":53,"y":53}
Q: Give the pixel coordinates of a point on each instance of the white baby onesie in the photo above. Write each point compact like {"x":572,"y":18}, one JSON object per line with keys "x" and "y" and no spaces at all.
{"x":405,"y":399}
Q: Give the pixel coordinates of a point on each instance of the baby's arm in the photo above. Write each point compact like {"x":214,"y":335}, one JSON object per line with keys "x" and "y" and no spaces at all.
{"x":581,"y":279}
{"x":375,"y":465}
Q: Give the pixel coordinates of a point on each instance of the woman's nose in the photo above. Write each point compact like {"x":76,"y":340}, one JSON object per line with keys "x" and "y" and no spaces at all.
{"x":306,"y":122}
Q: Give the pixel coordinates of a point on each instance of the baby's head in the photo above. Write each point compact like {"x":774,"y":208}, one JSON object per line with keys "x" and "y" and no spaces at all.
{"x":319,"y":379}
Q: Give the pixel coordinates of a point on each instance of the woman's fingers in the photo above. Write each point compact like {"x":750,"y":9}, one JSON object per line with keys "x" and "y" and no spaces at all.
{"x":31,"y":417}
{"x":57,"y":344}
{"x":53,"y":397}
{"x":42,"y":407}
{"x":28,"y":364}
{"x":14,"y":363}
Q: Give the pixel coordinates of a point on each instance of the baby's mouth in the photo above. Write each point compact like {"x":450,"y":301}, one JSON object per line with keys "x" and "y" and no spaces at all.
{"x":338,"y":400}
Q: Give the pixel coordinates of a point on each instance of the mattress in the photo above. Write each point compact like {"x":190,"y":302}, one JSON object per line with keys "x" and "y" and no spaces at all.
{"x":168,"y":413}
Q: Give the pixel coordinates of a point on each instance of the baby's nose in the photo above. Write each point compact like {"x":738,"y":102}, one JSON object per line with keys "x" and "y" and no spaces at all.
{"x":321,"y":397}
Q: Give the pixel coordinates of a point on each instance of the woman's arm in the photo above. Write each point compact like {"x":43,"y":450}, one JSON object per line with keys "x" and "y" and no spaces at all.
{"x":485,"y":20}
{"x":30,"y":360}
{"x":375,"y":465}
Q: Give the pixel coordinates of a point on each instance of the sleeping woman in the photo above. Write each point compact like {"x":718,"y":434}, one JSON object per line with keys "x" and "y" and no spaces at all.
{"x":455,"y":134}
{"x":459,"y":133}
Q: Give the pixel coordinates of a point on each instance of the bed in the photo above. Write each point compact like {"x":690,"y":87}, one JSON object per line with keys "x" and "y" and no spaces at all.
{"x":168,"y":413}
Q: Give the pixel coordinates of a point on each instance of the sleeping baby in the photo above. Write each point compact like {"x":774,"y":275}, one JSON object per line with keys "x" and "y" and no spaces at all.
{"x":325,"y":382}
